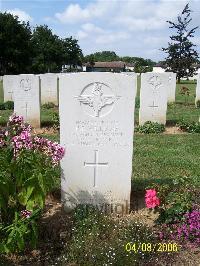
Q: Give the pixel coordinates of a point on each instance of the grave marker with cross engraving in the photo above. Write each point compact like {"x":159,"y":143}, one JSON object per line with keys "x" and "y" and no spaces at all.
{"x":27,"y":98}
{"x":96,"y":119}
{"x":153,"y":90}
{"x":8,"y":87}
{"x":95,"y":164}
{"x":171,"y":86}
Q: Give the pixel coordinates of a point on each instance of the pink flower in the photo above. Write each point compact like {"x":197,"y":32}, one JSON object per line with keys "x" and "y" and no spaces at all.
{"x":26,"y":214}
{"x":151,"y":198}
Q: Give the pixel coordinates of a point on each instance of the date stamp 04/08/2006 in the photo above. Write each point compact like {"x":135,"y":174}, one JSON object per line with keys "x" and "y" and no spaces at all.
{"x":152,"y":247}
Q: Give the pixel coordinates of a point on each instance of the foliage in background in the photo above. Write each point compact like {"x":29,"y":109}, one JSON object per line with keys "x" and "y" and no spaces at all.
{"x":15,"y":45}
{"x":190,"y":127}
{"x":28,"y":169}
{"x":150,"y":127}
{"x":48,"y":105}
{"x":181,"y":55}
{"x":9,"y":105}
{"x":56,"y":120}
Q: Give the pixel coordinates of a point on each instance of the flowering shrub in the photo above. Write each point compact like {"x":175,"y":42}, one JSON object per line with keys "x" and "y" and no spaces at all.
{"x":187,"y":233}
{"x":174,"y":200}
{"x":28,"y":168}
{"x":151,"y":198}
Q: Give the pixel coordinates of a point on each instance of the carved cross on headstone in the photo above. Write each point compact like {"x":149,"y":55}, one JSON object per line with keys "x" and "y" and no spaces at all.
{"x":11,"y":95}
{"x":95,"y":164}
{"x":26,"y":107}
{"x":153,"y":106}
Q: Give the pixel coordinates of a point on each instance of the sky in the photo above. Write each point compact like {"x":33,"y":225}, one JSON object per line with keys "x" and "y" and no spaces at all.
{"x":128,"y":27}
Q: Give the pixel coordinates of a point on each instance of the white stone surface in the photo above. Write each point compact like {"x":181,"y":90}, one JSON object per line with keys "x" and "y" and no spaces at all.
{"x":96,"y":129}
{"x":198,"y":89}
{"x":27,"y":98}
{"x":9,"y":82}
{"x":153,"y":98}
{"x":48,"y":83}
{"x":171,"y":87}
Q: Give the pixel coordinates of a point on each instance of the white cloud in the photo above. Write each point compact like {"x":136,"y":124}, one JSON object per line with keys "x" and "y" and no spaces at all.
{"x":72,"y":14}
{"x":23,"y":16}
{"x":109,"y":38}
{"x":81,"y":35}
{"x":89,"y":27}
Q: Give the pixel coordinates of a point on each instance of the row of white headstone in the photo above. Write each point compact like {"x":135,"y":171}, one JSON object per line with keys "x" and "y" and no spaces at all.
{"x":156,"y":90}
{"x":96,"y":128}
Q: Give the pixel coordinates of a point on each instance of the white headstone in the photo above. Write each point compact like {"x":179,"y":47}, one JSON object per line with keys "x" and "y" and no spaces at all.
{"x":9,"y":82}
{"x":49,"y":93}
{"x":171,"y":87}
{"x":198,"y":89}
{"x":96,"y":128}
{"x":27,"y":99}
{"x":153,"y":98}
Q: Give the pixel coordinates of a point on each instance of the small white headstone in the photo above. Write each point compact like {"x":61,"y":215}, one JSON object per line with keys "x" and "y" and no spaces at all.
{"x":153,"y":98}
{"x":48,"y":84}
{"x":171,"y":87}
{"x":27,"y":99}
{"x":96,"y":129}
{"x":9,"y":83}
{"x":198,"y":89}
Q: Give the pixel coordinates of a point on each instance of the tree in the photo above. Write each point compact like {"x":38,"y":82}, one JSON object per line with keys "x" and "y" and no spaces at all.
{"x":48,"y":50}
{"x":104,"y":56}
{"x":72,"y":54}
{"x":182,"y":56}
{"x":15,"y":45}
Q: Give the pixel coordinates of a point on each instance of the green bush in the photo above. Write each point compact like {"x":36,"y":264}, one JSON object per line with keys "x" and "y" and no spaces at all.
{"x":48,"y":105}
{"x":150,"y":127}
{"x":98,"y":239}
{"x":191,"y":127}
{"x":9,"y":105}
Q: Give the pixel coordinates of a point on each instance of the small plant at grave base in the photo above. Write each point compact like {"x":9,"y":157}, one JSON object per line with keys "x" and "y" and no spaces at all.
{"x":98,"y":239}
{"x":48,"y":105}
{"x":29,"y":165}
{"x":150,"y":127}
{"x":190,"y":127}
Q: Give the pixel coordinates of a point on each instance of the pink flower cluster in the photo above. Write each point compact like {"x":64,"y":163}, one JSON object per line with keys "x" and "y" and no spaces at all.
{"x":151,"y":198}
{"x":19,"y":134}
{"x":25,"y":214}
{"x":51,"y":149}
{"x":22,"y":141}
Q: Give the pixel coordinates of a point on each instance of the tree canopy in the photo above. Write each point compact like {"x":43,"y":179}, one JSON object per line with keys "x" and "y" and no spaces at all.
{"x":181,"y":53}
{"x":15,"y":45}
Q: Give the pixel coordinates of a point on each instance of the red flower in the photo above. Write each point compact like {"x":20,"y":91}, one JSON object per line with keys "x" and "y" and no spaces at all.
{"x":151,"y":198}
